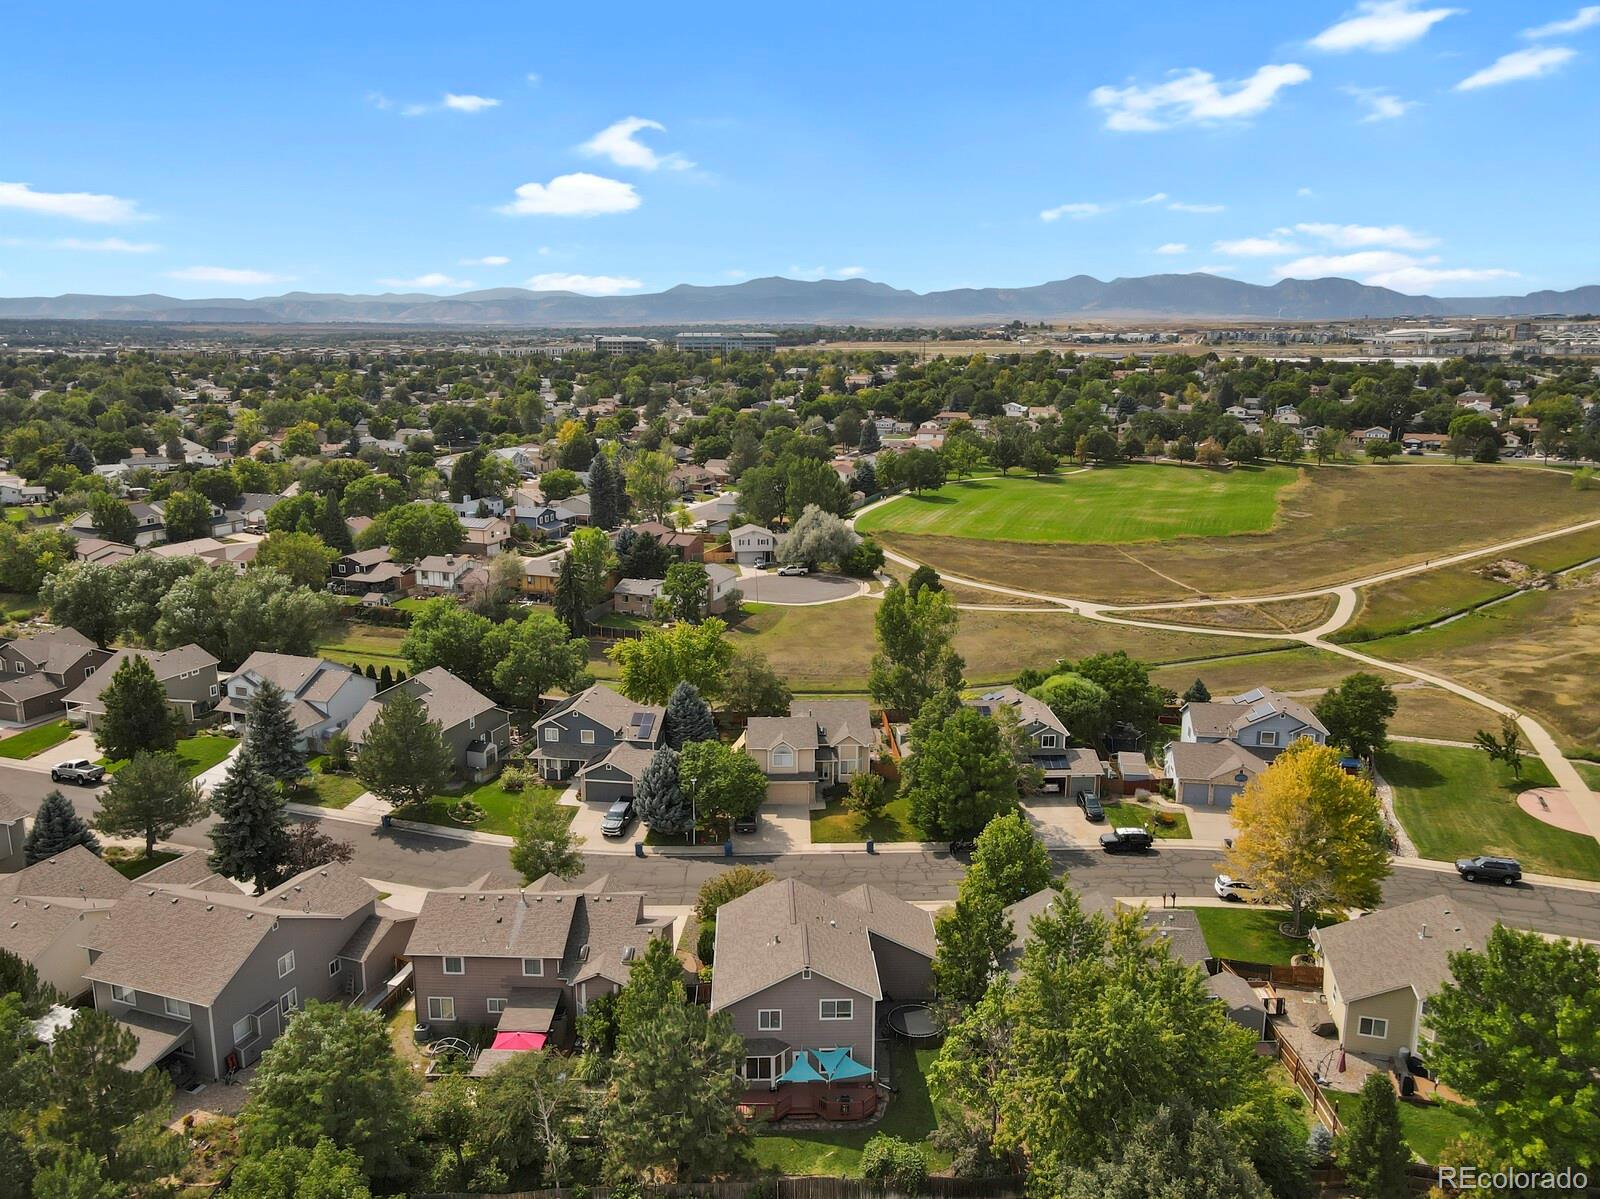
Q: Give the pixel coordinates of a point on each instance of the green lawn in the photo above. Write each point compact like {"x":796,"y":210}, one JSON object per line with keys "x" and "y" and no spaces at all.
{"x":1591,"y":774}
{"x":837,"y":1151}
{"x":1128,"y":813}
{"x":1410,"y":603}
{"x":501,"y":807}
{"x":200,"y":753}
{"x":833,"y":825}
{"x":16,"y":605}
{"x":361,"y":644}
{"x":327,"y":790}
{"x":132,"y":865}
{"x":36,"y":740}
{"x":1103,"y":506}
{"x":1249,"y":934}
{"x":1456,"y":803}
{"x":1427,"y":1127}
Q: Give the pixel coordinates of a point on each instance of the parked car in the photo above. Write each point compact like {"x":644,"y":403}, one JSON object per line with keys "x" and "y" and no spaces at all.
{"x":78,"y":770}
{"x":1126,"y":840}
{"x":1235,"y":889}
{"x":617,"y":818}
{"x":1414,"y":452}
{"x":1490,"y":870}
{"x":1090,"y":803}
{"x":747,"y":824}
{"x":792,"y":570}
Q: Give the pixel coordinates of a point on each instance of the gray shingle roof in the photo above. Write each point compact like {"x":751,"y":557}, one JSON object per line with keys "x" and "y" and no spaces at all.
{"x":1385,"y":950}
{"x":892,"y":917}
{"x":797,"y":732}
{"x":778,"y":930}
{"x":838,"y":719}
{"x":445,"y":698}
{"x":1227,"y":717}
{"x":1207,"y":761}
{"x":610,"y":709}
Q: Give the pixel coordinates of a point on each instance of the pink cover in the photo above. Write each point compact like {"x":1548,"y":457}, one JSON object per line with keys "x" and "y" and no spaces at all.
{"x":519,"y":1040}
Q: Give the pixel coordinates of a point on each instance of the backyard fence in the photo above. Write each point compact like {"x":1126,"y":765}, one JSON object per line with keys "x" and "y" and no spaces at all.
{"x":1299,"y":978}
{"x":1307,"y":1082}
{"x":779,"y":1188}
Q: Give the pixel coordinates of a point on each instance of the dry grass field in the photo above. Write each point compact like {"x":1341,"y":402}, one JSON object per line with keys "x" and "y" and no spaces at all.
{"x":1345,"y":521}
{"x":1290,"y":616}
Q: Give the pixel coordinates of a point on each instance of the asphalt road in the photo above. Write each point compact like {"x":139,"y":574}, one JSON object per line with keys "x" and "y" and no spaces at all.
{"x":424,"y":861}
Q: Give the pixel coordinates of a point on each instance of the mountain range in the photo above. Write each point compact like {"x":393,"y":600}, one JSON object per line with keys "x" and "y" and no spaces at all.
{"x":776,"y":300}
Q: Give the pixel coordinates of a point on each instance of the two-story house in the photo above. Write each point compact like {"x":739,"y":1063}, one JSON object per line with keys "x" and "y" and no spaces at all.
{"x":524,"y":961}
{"x":821,"y":742}
{"x":1226,"y":743}
{"x":1068,"y":769}
{"x":50,"y":908}
{"x":801,"y":974}
{"x":369,"y":572}
{"x":539,"y":576}
{"x":475,"y":728}
{"x":752,"y":545}
{"x":485,"y":536}
{"x":37,"y":672}
{"x":601,"y":737}
{"x":323,"y":696}
{"x":188,"y":674}
{"x":198,"y":970}
{"x":445,"y":574}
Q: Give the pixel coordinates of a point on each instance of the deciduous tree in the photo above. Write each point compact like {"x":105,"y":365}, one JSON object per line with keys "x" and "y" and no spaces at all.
{"x":1372,"y":1150}
{"x":544,"y":843}
{"x":403,"y":757}
{"x":960,"y":776}
{"x":722,"y":783}
{"x":817,"y":537}
{"x":652,"y":665}
{"x":151,"y":797}
{"x":1356,"y":713}
{"x":300,"y":557}
{"x":136,"y":718}
{"x":915,"y":656}
{"x":752,"y":688}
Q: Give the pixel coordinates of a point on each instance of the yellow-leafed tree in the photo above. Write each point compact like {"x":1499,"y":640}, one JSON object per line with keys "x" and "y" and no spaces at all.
{"x":1310,"y":836}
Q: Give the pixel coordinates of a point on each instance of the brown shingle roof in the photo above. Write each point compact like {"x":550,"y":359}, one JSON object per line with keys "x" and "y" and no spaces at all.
{"x":1386,"y":950}
{"x":778,"y":930}
{"x":892,"y":917}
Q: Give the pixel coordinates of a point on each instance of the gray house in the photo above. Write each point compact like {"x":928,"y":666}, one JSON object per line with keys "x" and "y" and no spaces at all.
{"x":524,"y":960}
{"x":323,"y":696}
{"x":802,"y":972}
{"x":50,"y":909}
{"x":37,"y":672}
{"x":14,"y":815}
{"x":204,"y":974}
{"x":1227,"y":743}
{"x":1067,"y":769}
{"x":601,"y":737}
{"x":188,"y":674}
{"x":476,"y":729}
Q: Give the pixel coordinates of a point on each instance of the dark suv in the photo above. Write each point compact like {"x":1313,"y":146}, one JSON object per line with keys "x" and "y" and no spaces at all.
{"x":1090,"y":803}
{"x":1490,"y":870}
{"x":1126,"y":840}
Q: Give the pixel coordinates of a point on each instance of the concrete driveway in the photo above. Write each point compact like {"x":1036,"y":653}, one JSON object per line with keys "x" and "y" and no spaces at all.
{"x":769,"y":587}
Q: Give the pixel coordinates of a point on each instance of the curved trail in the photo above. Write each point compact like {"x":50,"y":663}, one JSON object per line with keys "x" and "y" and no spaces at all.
{"x":1565,"y":774}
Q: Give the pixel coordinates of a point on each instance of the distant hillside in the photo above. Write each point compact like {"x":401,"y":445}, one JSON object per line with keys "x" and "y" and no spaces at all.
{"x":828,"y":301}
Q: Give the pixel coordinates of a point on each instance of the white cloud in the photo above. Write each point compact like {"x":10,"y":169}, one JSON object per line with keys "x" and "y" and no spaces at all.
{"x":486,"y":260}
{"x":620,"y":144}
{"x":533,"y":78}
{"x":225,"y":274}
{"x":588,"y":285}
{"x":1181,"y":206}
{"x":436,"y":280}
{"x":1519,"y":64}
{"x":577,"y":194}
{"x":1254,"y":247}
{"x":1378,"y":104}
{"x":1356,"y":236}
{"x":1215,"y":268}
{"x":1194,"y":96}
{"x":851,"y":272}
{"x":1172,"y":247}
{"x":76,"y":206}
{"x":1077,"y":212}
{"x":1389,"y":268}
{"x":1382,"y":25}
{"x":1586,"y":17}
{"x":468,"y":103}
{"x":105,"y":245}
{"x":379,"y":101}
{"x":1303,"y":192}
{"x":1154,"y":199}
{"x":734,"y":273}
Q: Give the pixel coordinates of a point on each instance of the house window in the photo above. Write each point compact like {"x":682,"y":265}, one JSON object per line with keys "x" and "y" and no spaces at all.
{"x":532,"y":967}
{"x":1047,"y":740}
{"x":1373,"y":1026}
{"x":213,"y":690}
{"x":289,"y":1001}
{"x":758,"y":1069}
{"x":770,"y":1019}
{"x":496,"y":1006}
{"x":1267,"y":737}
{"x":244,"y":1028}
{"x":806,"y":974}
{"x":551,"y":733}
{"x":335,"y":966}
{"x":286,"y":964}
{"x":472,"y":722}
{"x":455,"y":966}
{"x":836,"y":1009}
{"x":587,"y":736}
{"x":176,"y":1008}
{"x":441,"y":1007}
{"x":123,"y":994}
{"x":782,"y":758}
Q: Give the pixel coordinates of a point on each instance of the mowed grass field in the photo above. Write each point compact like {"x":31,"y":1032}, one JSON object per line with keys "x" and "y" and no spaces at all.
{"x":1339,"y":523}
{"x":1114,"y":506}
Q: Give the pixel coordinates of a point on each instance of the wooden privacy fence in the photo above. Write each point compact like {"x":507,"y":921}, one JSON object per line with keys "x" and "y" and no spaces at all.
{"x":1307,"y":1082}
{"x":1301,"y":978}
{"x":806,"y":1187}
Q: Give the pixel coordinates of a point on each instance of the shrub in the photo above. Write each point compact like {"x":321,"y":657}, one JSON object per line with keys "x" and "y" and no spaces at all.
{"x":901,"y":1164}
{"x":730,"y":884}
{"x":337,"y":757}
{"x":514,"y":778}
{"x":864,"y":561}
{"x":705,"y":946}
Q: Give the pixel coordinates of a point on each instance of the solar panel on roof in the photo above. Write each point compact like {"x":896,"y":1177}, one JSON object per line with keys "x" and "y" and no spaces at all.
{"x":644,"y":723}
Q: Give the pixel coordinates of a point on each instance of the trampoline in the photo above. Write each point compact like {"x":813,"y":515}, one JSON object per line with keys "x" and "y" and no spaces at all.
{"x":916,"y":1023}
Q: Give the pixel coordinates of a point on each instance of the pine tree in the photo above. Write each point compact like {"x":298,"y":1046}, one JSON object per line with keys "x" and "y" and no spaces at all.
{"x":688,"y":717}
{"x":869,"y":442}
{"x":569,"y":598}
{"x":137,"y":718}
{"x":1372,"y":1151}
{"x":57,"y":827}
{"x":1198,"y":693}
{"x":251,"y":838}
{"x":385,"y":678}
{"x":372,"y":673}
{"x":272,"y":735}
{"x":603,"y":512}
{"x":332,"y":528}
{"x":403,"y":757}
{"x":659,"y":800}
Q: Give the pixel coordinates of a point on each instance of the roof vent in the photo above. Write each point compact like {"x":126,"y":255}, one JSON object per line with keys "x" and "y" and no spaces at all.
{"x":1422,"y":933}
{"x":627,"y":953}
{"x":210,"y":907}
{"x":583,"y":953}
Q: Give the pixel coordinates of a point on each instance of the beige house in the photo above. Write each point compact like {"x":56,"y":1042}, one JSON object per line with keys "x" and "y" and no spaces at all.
{"x":820,"y":743}
{"x":1379,"y":971}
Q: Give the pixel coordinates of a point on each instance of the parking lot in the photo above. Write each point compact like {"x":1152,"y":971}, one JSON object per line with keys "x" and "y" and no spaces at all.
{"x":769,"y":587}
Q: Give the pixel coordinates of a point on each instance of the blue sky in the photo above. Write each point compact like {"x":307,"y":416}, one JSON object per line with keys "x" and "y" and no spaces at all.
{"x":245,"y":149}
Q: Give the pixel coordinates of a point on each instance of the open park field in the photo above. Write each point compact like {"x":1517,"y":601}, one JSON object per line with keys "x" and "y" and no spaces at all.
{"x":1339,"y":523}
{"x":1291,"y":615}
